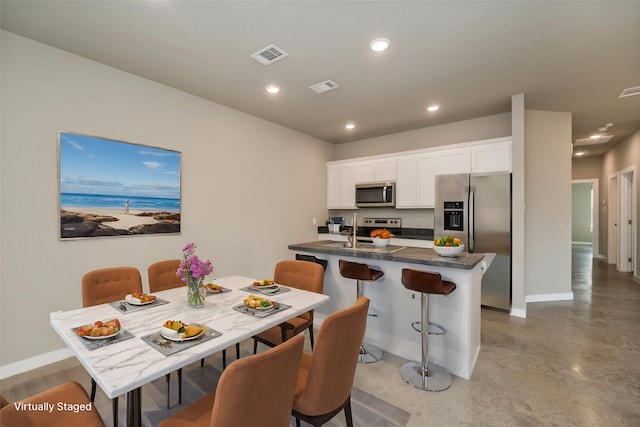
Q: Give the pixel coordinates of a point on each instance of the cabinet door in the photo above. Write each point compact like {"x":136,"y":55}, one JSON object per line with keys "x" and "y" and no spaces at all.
{"x":365,"y":171}
{"x":349,"y":186}
{"x":334,"y":186}
{"x":456,"y":160}
{"x":386,"y":169}
{"x":425,"y":180}
{"x":495,"y":157}
{"x":406,"y":182}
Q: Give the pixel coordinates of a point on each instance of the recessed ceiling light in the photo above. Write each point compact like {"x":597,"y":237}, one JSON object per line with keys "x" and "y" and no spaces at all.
{"x":350,"y":125}
{"x":579,"y":153}
{"x":595,"y":136}
{"x":433,"y":108}
{"x":272,"y":89}
{"x":378,"y":45}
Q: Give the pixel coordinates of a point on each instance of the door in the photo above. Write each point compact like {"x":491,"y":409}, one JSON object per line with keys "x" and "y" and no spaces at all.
{"x":612,"y":222}
{"x":625,"y":238}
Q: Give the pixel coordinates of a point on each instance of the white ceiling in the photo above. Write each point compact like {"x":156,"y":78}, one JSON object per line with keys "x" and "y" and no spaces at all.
{"x":469,"y":57}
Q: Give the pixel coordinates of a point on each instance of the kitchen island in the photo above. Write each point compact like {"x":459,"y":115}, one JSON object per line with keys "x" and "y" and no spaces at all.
{"x":393,"y":308}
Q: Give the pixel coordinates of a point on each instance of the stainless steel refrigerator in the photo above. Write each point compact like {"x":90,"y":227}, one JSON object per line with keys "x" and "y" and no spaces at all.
{"x":477,"y":210}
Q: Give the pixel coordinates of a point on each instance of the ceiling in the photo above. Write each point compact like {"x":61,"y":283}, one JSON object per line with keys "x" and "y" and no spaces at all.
{"x":468,"y":57}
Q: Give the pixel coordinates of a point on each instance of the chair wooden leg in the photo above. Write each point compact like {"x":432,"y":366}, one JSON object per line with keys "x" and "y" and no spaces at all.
{"x":255,"y":346}
{"x":114,"y":409}
{"x":237,"y":350}
{"x":297,"y":422}
{"x":201,"y":363}
{"x":224,"y":359}
{"x":180,"y":386}
{"x":93,"y":390}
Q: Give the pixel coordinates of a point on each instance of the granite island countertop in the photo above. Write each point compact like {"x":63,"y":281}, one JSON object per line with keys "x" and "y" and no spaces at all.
{"x":406,"y":254}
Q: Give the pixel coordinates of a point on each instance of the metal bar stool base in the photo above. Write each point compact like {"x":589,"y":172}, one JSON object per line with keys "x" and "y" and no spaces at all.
{"x":437,"y":378}
{"x":369,"y":354}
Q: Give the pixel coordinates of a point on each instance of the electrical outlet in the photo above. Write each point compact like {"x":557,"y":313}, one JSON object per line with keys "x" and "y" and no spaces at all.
{"x":314,"y":221}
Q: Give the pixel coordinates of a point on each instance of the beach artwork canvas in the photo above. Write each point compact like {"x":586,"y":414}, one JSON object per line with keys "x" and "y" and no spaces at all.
{"x":116,"y":188}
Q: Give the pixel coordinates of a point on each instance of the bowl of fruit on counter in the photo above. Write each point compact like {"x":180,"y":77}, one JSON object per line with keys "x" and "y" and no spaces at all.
{"x":381,"y":237}
{"x":448,"y":246}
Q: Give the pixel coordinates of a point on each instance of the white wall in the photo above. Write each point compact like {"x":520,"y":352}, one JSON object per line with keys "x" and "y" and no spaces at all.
{"x":249,"y":187}
{"x":548,"y":205}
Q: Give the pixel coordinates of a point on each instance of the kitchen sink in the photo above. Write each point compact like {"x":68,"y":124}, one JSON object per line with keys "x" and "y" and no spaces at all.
{"x":366,"y":247}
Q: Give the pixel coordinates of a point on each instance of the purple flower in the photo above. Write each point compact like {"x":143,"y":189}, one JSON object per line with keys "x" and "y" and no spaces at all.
{"x":191,"y":267}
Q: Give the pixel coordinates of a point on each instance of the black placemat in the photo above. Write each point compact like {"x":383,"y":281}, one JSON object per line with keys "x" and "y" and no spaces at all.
{"x":131,"y":308}
{"x":93,"y":344}
{"x":168,"y":347}
{"x":253,"y":289}
{"x":278,"y":307}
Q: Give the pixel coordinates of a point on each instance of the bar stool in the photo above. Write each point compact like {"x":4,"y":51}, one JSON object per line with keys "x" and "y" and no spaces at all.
{"x":362,"y":273}
{"x":425,"y":375}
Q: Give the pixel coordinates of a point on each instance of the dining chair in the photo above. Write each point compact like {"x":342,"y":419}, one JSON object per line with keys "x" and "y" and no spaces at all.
{"x":326,"y":375}
{"x":70,"y":394}
{"x":162,"y":276}
{"x":305,"y":275}
{"x":254,"y":391}
{"x":104,"y":286}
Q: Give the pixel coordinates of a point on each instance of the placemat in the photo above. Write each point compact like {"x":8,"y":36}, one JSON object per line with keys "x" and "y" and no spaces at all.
{"x":281,"y":289}
{"x":93,"y":344}
{"x":261,"y":313}
{"x":168,"y":347}
{"x":131,"y":308}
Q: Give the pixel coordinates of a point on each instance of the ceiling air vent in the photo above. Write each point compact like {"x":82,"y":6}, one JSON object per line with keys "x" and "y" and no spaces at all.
{"x":593,"y":141}
{"x":324,"y":86}
{"x":269,"y":55}
{"x":630,"y":91}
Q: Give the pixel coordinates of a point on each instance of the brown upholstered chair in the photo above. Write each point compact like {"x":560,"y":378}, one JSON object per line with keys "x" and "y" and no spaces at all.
{"x":425,"y":375}
{"x":305,"y":275}
{"x":254,"y":391}
{"x":70,"y":393}
{"x":104,"y":286}
{"x":326,"y":375}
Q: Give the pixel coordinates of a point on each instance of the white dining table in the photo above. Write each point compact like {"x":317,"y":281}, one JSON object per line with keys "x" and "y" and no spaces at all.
{"x":125,"y":366}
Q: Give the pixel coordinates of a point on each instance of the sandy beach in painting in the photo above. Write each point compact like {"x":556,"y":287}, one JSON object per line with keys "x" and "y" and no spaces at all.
{"x":125,"y":221}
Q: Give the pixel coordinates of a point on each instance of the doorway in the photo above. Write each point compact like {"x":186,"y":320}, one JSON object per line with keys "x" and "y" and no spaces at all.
{"x":585,"y":214}
{"x":622,"y":220}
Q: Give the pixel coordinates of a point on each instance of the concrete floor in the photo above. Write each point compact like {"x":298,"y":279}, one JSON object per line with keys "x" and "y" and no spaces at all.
{"x":572,"y":363}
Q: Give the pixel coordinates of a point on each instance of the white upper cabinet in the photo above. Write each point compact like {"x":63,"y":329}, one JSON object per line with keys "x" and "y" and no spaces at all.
{"x":453,"y":160}
{"x":415,"y":171}
{"x":415,"y":186}
{"x":376,"y":170}
{"x":341,"y":183}
{"x":489,"y":158}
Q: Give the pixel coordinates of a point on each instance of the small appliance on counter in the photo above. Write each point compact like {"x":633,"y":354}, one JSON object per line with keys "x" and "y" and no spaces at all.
{"x":335,"y":224}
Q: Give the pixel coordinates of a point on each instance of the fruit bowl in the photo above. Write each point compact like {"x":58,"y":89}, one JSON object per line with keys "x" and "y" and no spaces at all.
{"x":448,"y":251}
{"x":380,"y":242}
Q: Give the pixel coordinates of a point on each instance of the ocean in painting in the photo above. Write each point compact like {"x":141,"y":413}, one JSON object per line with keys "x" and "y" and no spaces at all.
{"x":69,"y":201}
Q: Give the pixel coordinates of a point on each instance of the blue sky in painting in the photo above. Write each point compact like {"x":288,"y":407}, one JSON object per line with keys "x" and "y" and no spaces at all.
{"x":90,"y":165}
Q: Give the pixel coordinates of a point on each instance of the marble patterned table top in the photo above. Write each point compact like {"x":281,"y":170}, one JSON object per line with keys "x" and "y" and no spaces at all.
{"x":127,"y":365}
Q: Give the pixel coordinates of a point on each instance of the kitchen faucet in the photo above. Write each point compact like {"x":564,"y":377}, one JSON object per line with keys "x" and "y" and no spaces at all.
{"x":353,"y":237}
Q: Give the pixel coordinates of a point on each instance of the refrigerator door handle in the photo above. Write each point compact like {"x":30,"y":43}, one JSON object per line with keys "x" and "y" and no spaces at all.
{"x":471,"y":219}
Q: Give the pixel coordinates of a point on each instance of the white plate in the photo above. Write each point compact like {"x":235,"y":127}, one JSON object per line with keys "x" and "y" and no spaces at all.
{"x":103,"y":336}
{"x":264,"y":308}
{"x":175,"y":336}
{"x":135,"y":301}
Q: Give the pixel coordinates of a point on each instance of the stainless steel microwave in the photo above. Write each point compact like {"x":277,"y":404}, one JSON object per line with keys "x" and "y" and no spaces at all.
{"x":376,"y":194}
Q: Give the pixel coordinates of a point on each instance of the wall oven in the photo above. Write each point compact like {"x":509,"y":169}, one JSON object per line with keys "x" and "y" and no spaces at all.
{"x":376,"y":194}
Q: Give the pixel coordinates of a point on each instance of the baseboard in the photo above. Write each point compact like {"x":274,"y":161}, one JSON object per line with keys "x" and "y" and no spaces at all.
{"x":549,"y":297}
{"x":34,"y":362}
{"x":518,"y":312}
{"x":582,"y":243}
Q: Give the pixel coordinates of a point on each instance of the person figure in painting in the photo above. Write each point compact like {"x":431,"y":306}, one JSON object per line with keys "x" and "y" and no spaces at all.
{"x":126,"y":206}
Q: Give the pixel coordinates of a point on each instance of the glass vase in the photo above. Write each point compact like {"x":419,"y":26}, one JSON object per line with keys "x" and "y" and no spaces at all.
{"x":195,"y":296}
